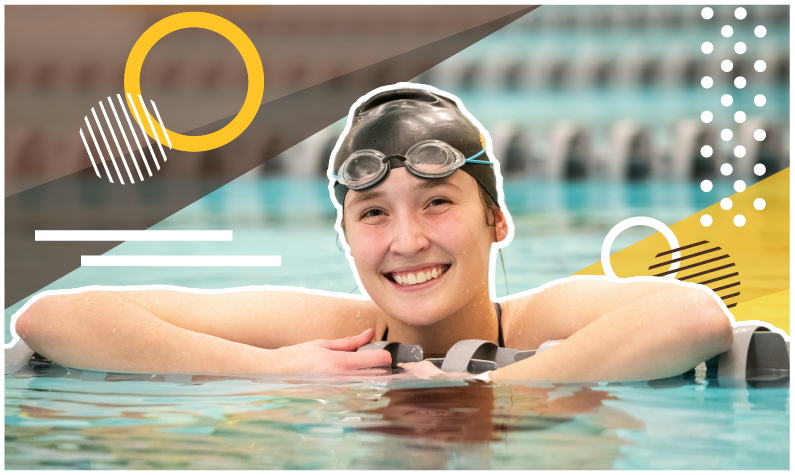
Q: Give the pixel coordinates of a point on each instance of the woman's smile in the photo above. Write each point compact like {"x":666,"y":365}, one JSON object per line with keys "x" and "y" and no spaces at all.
{"x":416,"y":277}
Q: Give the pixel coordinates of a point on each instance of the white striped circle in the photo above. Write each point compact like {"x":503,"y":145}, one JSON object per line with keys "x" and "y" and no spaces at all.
{"x":109,"y":125}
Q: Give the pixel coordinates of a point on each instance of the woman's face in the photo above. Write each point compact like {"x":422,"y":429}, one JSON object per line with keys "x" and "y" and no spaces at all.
{"x":407,"y":230}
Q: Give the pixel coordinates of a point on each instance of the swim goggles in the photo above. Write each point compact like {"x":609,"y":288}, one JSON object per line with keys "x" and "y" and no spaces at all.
{"x":428,"y":159}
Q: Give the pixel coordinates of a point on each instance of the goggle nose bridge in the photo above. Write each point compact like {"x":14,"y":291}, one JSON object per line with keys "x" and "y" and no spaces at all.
{"x":396,"y":156}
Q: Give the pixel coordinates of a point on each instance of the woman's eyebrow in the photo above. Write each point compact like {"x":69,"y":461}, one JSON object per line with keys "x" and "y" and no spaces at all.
{"x":433,"y":183}
{"x":367,"y":195}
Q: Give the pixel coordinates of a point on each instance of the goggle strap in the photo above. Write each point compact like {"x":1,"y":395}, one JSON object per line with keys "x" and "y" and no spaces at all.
{"x":476,"y":156}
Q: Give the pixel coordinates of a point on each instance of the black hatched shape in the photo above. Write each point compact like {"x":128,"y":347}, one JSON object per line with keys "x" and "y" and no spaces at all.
{"x":706,"y":265}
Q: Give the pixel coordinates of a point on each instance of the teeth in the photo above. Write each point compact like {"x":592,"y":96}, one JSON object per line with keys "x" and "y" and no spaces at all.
{"x":419,"y":277}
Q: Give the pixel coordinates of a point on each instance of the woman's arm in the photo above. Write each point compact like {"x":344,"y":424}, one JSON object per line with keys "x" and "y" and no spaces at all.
{"x":616,"y":331}
{"x":168,"y":331}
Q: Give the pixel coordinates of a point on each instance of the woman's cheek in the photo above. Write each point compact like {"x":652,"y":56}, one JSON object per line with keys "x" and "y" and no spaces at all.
{"x":368,"y":246}
{"x":453,"y":228}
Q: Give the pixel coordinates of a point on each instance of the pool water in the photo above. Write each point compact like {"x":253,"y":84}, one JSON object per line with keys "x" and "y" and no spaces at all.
{"x":59,"y":418}
{"x":67,"y":418}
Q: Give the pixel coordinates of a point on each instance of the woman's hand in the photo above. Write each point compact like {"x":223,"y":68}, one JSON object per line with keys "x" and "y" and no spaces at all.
{"x":329,"y":356}
{"x":428,"y":370}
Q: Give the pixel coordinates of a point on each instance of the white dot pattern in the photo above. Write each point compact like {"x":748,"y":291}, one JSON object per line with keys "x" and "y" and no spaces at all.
{"x":739,"y":151}
{"x":740,"y":47}
{"x":739,"y":186}
{"x":739,"y":220}
{"x":739,"y":82}
{"x":739,"y":116}
{"x":740,"y":13}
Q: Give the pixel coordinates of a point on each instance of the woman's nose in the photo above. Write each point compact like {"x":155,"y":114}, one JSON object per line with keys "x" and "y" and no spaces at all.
{"x":408,"y":236}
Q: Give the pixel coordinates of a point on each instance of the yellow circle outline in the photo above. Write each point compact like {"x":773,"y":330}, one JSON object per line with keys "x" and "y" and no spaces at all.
{"x":225,"y":28}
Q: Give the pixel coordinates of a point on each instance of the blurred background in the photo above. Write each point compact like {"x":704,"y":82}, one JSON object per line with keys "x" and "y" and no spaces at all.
{"x":614,"y":92}
{"x":568,"y":92}
{"x":595,"y":114}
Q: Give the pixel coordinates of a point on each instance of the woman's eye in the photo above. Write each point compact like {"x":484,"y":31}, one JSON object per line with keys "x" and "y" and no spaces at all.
{"x":372,"y":213}
{"x":438,"y":202}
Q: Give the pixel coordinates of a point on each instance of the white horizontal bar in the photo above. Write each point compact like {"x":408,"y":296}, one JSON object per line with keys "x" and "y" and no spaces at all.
{"x":134,"y":235}
{"x":181,"y":261}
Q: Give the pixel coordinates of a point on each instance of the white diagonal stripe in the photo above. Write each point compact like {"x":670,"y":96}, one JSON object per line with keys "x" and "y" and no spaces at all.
{"x":116,"y":141}
{"x":162,"y":125}
{"x":133,"y":235}
{"x":143,"y":130}
{"x":135,"y":136}
{"x":82,"y":136}
{"x":104,"y":139}
{"x":180,"y":261}
{"x":101,"y":158}
{"x":124,"y":136}
{"x":152,"y":126}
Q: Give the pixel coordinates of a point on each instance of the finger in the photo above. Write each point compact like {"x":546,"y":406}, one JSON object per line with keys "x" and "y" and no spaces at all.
{"x":421,"y":368}
{"x":351,"y":343}
{"x":365,"y":359}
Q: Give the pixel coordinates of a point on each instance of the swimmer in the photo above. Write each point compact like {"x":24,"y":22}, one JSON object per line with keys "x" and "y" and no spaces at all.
{"x":419,"y":213}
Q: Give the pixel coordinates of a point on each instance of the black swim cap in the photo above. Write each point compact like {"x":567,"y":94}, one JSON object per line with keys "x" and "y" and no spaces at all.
{"x":393,"y":121}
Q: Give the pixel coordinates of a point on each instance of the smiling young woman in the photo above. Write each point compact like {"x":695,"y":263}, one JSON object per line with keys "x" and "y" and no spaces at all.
{"x":421,"y":215}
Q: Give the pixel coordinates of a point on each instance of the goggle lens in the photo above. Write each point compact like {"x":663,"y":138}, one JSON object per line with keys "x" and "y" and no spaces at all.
{"x":433,"y":159}
{"x":362,"y":168}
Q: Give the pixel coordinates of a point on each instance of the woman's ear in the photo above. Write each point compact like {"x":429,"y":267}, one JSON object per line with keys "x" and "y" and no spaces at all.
{"x":500,"y":225}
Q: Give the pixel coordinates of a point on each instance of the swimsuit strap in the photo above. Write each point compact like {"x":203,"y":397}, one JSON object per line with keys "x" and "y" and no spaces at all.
{"x":500,"y":340}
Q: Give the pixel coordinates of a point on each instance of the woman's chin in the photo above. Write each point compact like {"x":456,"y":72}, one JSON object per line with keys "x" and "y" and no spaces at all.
{"x":416,"y":314}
